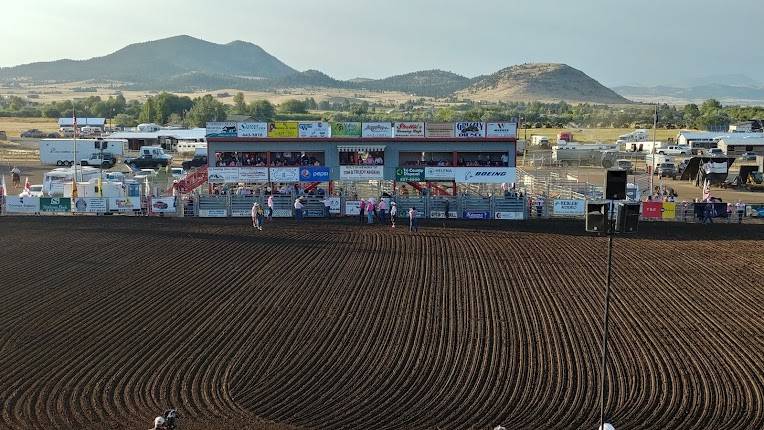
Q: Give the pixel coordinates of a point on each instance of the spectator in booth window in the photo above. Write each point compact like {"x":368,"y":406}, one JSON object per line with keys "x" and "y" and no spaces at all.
{"x":362,"y":206}
{"x":379,"y":161}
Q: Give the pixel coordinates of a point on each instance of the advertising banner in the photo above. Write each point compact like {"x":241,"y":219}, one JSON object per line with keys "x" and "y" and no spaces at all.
{"x":22,"y":205}
{"x":335,"y":205}
{"x":408,"y":129}
{"x":55,"y":204}
{"x":346,"y":129}
{"x":221,"y":129}
{"x":316,"y":129}
{"x":439,"y":173}
{"x":484,"y":175}
{"x":469,"y":129}
{"x":163,"y":205}
{"x":91,"y":205}
{"x":285,"y":174}
{"x":353,"y":207}
{"x":717,"y":210}
{"x":409,"y":174}
{"x":509,"y":215}
{"x":283,"y":129}
{"x":755,"y":211}
{"x":253,"y":175}
{"x":569,"y":207}
{"x":350,"y":173}
{"x":669,"y":210}
{"x":476,"y":215}
{"x":439,"y":129}
{"x":214,"y":213}
{"x":222,"y":175}
{"x":652,"y":210}
{"x":314,"y":174}
{"x":252,"y":129}
{"x":125,"y":204}
{"x":377,"y":129}
{"x":282,"y":213}
{"x":501,"y":129}
{"x":442,"y":214}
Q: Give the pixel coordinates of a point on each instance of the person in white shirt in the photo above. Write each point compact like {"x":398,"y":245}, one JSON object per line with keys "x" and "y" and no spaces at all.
{"x":412,"y":221}
{"x":393,"y":212}
{"x":270,"y":208}
{"x":298,"y":209}
{"x":327,"y":207}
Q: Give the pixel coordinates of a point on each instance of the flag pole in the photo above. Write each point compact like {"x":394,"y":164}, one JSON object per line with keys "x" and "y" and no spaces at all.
{"x":74,"y":125}
{"x":652,"y":152}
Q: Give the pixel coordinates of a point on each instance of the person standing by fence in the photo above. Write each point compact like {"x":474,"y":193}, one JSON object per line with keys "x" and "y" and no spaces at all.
{"x":298,"y":209}
{"x":740,"y":209}
{"x":393,"y":212}
{"x":413,"y":227}
{"x":257,"y":216}
{"x":270,"y":208}
{"x":382,"y":211}
{"x":370,"y":211}
{"x":362,"y":207}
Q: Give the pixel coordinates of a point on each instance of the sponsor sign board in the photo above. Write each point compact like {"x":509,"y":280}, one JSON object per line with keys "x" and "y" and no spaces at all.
{"x":439,"y":129}
{"x":335,"y":205}
{"x":213,"y":213}
{"x":409,"y":174}
{"x":253,"y":175}
{"x":314,"y":129}
{"x":442,"y":214}
{"x":241,"y":213}
{"x":377,"y":129}
{"x":501,"y":129}
{"x":282,"y":213}
{"x":221,"y":129}
{"x":652,"y":210}
{"x":163,"y":205}
{"x":349,"y":173}
{"x":353,"y":207}
{"x":313,"y":213}
{"x":476,"y":215}
{"x":569,"y":207}
{"x":484,"y":175}
{"x":22,"y":205}
{"x":669,"y":210}
{"x":408,"y":129}
{"x":125,"y":204}
{"x":469,"y":129}
{"x":252,"y":129}
{"x":509,"y":215}
{"x":55,"y":204}
{"x":222,"y":175}
{"x":346,"y":129}
{"x":314,"y":174}
{"x":283,"y":129}
{"x":91,"y":205}
{"x":285,"y":174}
{"x":439,"y":173}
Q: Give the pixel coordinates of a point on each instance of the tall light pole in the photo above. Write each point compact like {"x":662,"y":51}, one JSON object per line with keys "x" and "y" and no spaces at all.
{"x":606,"y":319}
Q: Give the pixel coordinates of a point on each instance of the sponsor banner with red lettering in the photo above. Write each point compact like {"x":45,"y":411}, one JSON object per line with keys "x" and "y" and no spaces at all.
{"x":408,"y":129}
{"x":652,"y":210}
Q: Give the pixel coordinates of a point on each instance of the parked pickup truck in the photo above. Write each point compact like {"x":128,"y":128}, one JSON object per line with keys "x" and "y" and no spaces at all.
{"x":105,"y":160}
{"x":674,"y":150}
{"x":197,"y":161}
{"x":152,"y":157}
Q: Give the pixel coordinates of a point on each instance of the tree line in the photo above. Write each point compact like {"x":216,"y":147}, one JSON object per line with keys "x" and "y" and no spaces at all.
{"x":167,"y":108}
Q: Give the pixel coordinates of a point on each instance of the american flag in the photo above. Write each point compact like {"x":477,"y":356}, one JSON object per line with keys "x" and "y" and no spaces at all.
{"x":706,"y":190}
{"x":74,"y":122}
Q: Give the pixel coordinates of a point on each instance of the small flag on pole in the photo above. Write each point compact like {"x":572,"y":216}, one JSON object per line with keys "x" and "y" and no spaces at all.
{"x":706,"y":190}
{"x":27,"y":185}
{"x":74,"y":190}
{"x":3,"y":189}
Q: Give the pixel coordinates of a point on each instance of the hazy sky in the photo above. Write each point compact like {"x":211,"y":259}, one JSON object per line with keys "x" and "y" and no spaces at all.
{"x":614,"y":41}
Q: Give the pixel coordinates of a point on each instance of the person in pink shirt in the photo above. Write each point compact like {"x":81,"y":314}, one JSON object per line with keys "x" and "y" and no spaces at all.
{"x":382,"y":208}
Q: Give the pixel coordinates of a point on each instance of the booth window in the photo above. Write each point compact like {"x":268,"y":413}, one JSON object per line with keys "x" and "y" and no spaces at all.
{"x":432,"y":159}
{"x":239,"y":159}
{"x":483,"y":159}
{"x":362,"y":157}
{"x":296,"y":159}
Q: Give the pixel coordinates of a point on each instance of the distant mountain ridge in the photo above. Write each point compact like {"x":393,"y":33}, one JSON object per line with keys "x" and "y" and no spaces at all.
{"x":184,"y":63}
{"x":694,"y":94}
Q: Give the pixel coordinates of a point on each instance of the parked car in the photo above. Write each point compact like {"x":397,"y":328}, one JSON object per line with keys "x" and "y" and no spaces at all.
{"x":177,"y":172}
{"x":105,"y":160}
{"x":713,"y":152}
{"x":626,"y":165}
{"x":197,"y":161}
{"x":748,"y":156}
{"x":34,"y":133}
{"x":667,"y":170}
{"x":674,"y":150}
{"x":151,"y":156}
{"x":35,"y":191}
{"x":53,"y":135}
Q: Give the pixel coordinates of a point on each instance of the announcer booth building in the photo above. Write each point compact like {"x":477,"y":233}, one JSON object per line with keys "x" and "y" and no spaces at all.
{"x":440,"y":155}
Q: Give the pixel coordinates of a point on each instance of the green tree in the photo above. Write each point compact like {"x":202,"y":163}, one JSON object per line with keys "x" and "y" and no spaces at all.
{"x":690,"y":114}
{"x":147,"y":111}
{"x":239,"y":104}
{"x":124,"y":120}
{"x":709,"y":106}
{"x":262,"y":110}
{"x":293,"y":106}
{"x":206,"y":109}
{"x":446,"y":114}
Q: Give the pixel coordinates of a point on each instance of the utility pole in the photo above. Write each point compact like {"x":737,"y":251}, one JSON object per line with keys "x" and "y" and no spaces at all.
{"x":652,"y":152}
{"x":603,"y":367}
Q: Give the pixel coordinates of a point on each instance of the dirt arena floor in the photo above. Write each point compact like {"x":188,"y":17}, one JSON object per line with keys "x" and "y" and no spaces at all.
{"x":106,"y":321}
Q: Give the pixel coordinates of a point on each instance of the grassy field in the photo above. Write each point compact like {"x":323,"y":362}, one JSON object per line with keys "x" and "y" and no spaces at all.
{"x":13,"y":126}
{"x":604,"y":135}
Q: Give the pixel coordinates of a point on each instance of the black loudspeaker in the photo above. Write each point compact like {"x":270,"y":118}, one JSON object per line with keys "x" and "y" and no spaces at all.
{"x":628,"y":217}
{"x":615,"y":185}
{"x":596,"y":217}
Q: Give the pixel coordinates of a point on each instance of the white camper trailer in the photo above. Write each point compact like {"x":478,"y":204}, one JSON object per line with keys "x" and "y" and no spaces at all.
{"x":60,"y":152}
